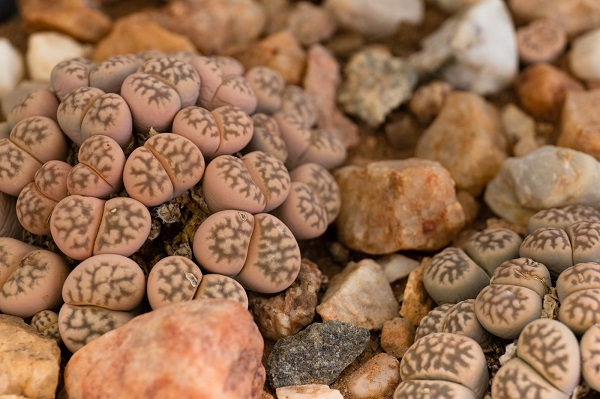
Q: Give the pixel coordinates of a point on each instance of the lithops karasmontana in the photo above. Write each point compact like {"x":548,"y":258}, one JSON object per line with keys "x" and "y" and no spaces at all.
{"x":41,"y":102}
{"x":37,"y":199}
{"x":69,"y":75}
{"x":259,"y":251}
{"x":109,"y":74}
{"x":514,"y":297}
{"x":221,"y":287}
{"x":268,"y":85}
{"x":562,"y":217}
{"x":163,"y":168}
{"x":85,"y":226}
{"x":172,"y":279}
{"x":443,"y":365}
{"x":590,"y":356}
{"x":578,"y":290}
{"x":35,"y":284}
{"x":99,"y":172}
{"x":266,"y":137}
{"x":257,"y":182}
{"x":32,"y":142}
{"x":547,"y":365}
{"x":46,"y":323}
{"x":179,"y":75}
{"x":99,"y":294}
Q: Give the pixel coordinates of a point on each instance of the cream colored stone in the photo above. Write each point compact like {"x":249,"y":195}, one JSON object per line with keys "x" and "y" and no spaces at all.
{"x":12,"y":66}
{"x":29,"y":362}
{"x":359,"y":295}
{"x":397,"y":266}
{"x":46,"y":49}
{"x":376,"y":378}
{"x":309,"y":391}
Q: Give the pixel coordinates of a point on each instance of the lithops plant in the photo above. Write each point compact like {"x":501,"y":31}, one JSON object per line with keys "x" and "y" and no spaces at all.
{"x":69,"y":75}
{"x":455,"y":274}
{"x":443,"y":365}
{"x":35,"y":284}
{"x":258,"y":250}
{"x":37,"y":199}
{"x":41,"y":102}
{"x":109,"y":74}
{"x":547,"y":365}
{"x":46,"y":323}
{"x":100,"y":294}
{"x":578,"y":290}
{"x":590,"y":356}
{"x":266,"y":137}
{"x":268,"y":85}
{"x":163,"y":168}
{"x":256,"y":182}
{"x":221,"y":287}
{"x":514,"y":297}
{"x":85,"y":226}
{"x":562,"y":217}
{"x":32,"y":142}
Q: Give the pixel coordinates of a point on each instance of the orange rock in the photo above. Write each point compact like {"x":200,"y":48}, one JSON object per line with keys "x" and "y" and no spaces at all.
{"x":416,"y":302}
{"x":580,"y":122}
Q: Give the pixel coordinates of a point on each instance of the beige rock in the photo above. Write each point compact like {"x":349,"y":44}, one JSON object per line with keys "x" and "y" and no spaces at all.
{"x":397,"y":205}
{"x":280,"y":51}
{"x":428,"y":100}
{"x":516,"y":124}
{"x":12,"y":66}
{"x":584,"y":57}
{"x":580,"y":122}
{"x":397,"y":335}
{"x":416,"y":302}
{"x":466,"y":138}
{"x":198,"y":349}
{"x":376,"y":378}
{"x":266,"y":395}
{"x":138,"y":32}
{"x":470,"y":205}
{"x":46,"y":49}
{"x":359,"y":295}
{"x":310,"y":23}
{"x":541,"y":90}
{"x":540,"y":41}
{"x":309,"y":391}
{"x":321,"y":81}
{"x":75,"y":18}
{"x":29,"y":362}
{"x":288,"y":312}
{"x":397,"y":266}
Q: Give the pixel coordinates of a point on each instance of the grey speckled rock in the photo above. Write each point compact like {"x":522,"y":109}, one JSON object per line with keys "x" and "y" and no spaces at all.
{"x":548,"y":177}
{"x":316,"y":355}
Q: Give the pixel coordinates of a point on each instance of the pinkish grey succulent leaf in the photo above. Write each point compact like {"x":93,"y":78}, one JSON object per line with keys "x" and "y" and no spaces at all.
{"x":296,"y":101}
{"x":109,"y":115}
{"x":109,"y":75}
{"x":578,"y":290}
{"x":180,"y":75}
{"x":585,"y":240}
{"x":271,"y":176}
{"x":12,"y":251}
{"x":235,"y":91}
{"x":303,"y":212}
{"x":72,"y":110}
{"x":461,"y":319}
{"x":172,"y":279}
{"x":41,"y":102}
{"x":35,"y":284}
{"x":323,"y":184}
{"x":434,"y":389}
{"x":235,"y":128}
{"x":221,"y":287}
{"x":491,"y":247}
{"x":46,"y":323}
{"x":109,"y":281}
{"x":228,"y":65}
{"x":211,"y":77}
{"x":293,"y":132}
{"x":268,"y":85}
{"x":99,"y":172}
{"x":70,"y":74}
{"x":550,"y":246}
{"x":266,"y":137}
{"x":590,"y":356}
{"x":198,"y":125}
{"x":434,"y":321}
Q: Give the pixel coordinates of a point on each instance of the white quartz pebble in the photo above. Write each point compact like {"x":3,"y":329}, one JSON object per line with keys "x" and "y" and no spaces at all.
{"x":309,"y":391}
{"x":46,"y":49}
{"x":584,"y":57}
{"x":12,"y":69}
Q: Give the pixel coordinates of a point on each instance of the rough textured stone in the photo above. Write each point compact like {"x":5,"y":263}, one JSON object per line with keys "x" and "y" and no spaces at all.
{"x":310,"y":23}
{"x":466,"y":138}
{"x":519,"y":129}
{"x":321,"y":81}
{"x":473,"y":50}
{"x":288,"y":312}
{"x":542,"y":88}
{"x":376,"y":83}
{"x":397,"y":336}
{"x":397,"y":205}
{"x":548,"y":177}
{"x":543,"y":40}
{"x":75,"y":18}
{"x":580,"y":122}
{"x":428,"y":100}
{"x":198,"y":349}
{"x":138,"y":32}
{"x":29,"y":362}
{"x":376,"y":378}
{"x":416,"y":302}
{"x":359,"y":295}
{"x":308,"y":391}
{"x":316,"y":355}
{"x":574,"y":16}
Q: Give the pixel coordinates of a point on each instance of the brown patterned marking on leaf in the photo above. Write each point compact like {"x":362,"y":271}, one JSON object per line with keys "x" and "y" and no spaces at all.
{"x":236,"y":176}
{"x":98,"y":153}
{"x":78,"y":100}
{"x":546,"y":238}
{"x":173,"y":280}
{"x":85,"y":324}
{"x":77,"y":67}
{"x":49,"y":176}
{"x":513,"y":379}
{"x":499,"y":308}
{"x":239,"y":85}
{"x":24,"y":102}
{"x":73,"y":225}
{"x":448,"y":266}
{"x":547,"y":346}
{"x":324,"y":184}
{"x":309,"y":206}
{"x":201,"y":120}
{"x":460,"y":317}
{"x":581,"y":308}
{"x":123,"y":224}
{"x":181,"y":154}
{"x":297,"y":101}
{"x":416,"y":389}
{"x":148,"y":180}
{"x":268,"y":81}
{"x":31,"y":209}
{"x":105,"y":111}
{"x":82,"y":177}
{"x":433,"y":321}
{"x":582,"y":274}
{"x":585,"y":235}
{"x":323,"y":140}
{"x":4,"y":256}
{"x":582,"y":212}
{"x":32,"y":270}
{"x":223,"y":287}
{"x":234,"y":123}
{"x":170,"y":70}
{"x":12,"y":159}
{"x":229,"y":239}
{"x":490,"y":240}
{"x":31,"y":131}
{"x":152,"y":89}
{"x":117,"y":60}
{"x":273,"y":173}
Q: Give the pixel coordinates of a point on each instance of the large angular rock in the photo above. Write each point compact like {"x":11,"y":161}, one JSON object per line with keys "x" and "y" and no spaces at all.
{"x":467,"y":139}
{"x":580,"y":122}
{"x":209,"y":349}
{"x":548,"y":177}
{"x":389,"y":206}
{"x":29,"y":362}
{"x":360,"y":295}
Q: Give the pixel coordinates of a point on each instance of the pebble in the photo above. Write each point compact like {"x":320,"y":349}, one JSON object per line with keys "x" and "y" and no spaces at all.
{"x":397,"y":335}
{"x":376,"y":18}
{"x":360,"y":295}
{"x":541,"y":90}
{"x":29,"y":362}
{"x":395,"y":205}
{"x":288,"y":312}
{"x":467,"y":139}
{"x":543,"y":40}
{"x":376,"y":83}
{"x":316,"y":355}
{"x":575,"y":16}
{"x":584,"y":56}
{"x":46,"y":49}
{"x":579,"y":122}
{"x":473,"y":50}
{"x":310,"y":23}
{"x":548,"y":177}
{"x":416,"y":302}
{"x":519,"y":129}
{"x":396,"y":266}
{"x":198,"y":349}
{"x":12,"y":66}
{"x":452,"y":6}
{"x":76,"y":18}
{"x":403,"y":131}
{"x":428,"y":100}
{"x":321,"y":81}
{"x":138,"y":32}
{"x":308,"y":391}
{"x":376,"y":378}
